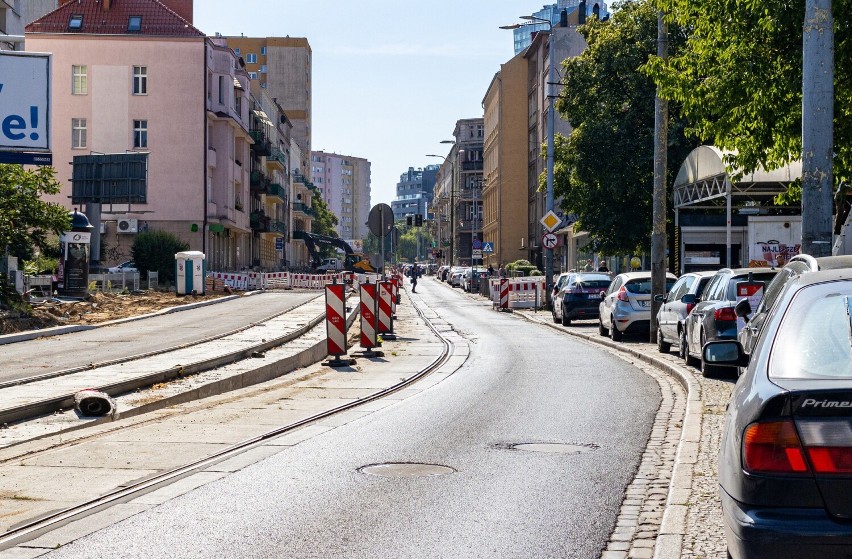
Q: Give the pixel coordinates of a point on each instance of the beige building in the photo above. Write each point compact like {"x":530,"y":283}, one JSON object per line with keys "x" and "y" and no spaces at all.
{"x":282,"y":66}
{"x":504,"y":191}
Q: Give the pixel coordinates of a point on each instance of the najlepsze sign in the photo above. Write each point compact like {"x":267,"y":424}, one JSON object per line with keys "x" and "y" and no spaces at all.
{"x":24,"y":101}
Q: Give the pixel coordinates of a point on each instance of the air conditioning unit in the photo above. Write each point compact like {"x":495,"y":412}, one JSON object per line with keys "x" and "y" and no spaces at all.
{"x":127,"y":225}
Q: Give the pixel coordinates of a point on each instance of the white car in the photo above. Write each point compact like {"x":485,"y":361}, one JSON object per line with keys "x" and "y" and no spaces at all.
{"x":128,"y":267}
{"x":626,"y":306}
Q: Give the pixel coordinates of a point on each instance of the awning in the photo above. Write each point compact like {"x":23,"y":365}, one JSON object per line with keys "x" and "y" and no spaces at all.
{"x":262,"y":116}
{"x":237,"y":84}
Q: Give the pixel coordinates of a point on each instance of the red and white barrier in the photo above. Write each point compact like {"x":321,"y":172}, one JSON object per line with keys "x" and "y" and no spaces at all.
{"x":385,"y":307}
{"x":394,"y":295}
{"x":369,"y":320}
{"x":335,"y":319}
{"x":517,"y":293}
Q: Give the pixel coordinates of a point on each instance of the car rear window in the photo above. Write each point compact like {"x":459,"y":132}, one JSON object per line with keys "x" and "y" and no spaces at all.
{"x":815,"y":337}
{"x":643,"y":286}
{"x":593,"y":280}
{"x":765,"y":277}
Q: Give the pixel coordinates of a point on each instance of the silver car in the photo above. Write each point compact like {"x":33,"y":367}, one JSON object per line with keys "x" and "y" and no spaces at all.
{"x":672,"y":314}
{"x":626,"y":306}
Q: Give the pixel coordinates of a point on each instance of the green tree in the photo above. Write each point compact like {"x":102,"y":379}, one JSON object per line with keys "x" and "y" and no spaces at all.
{"x":604,"y":169}
{"x":155,"y":251}
{"x":739,"y":78}
{"x":28,"y":224}
{"x":324,"y":222}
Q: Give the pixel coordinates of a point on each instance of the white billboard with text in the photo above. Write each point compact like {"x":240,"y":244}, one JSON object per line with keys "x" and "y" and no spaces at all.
{"x":24,"y":101}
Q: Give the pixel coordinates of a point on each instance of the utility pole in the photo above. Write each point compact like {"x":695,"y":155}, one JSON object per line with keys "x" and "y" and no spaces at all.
{"x":817,"y":127}
{"x":658,"y":231}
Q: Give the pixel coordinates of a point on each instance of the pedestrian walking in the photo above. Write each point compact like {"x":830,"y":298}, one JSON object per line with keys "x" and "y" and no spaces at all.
{"x":414,"y":273}
{"x":490,"y":270}
{"x":502,"y":271}
{"x":603,"y":267}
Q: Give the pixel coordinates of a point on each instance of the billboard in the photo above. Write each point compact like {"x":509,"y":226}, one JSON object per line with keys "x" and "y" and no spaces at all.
{"x":24,"y":101}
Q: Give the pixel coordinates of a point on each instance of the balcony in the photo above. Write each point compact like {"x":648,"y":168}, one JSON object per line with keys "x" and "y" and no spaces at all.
{"x":211,"y":158}
{"x":259,"y":222}
{"x":259,"y":182}
{"x":278,"y":157}
{"x":262,"y":145}
{"x":278,"y":227}
{"x":275,"y":193}
{"x":299,"y":177}
{"x":471,"y":165}
{"x":302,"y":207}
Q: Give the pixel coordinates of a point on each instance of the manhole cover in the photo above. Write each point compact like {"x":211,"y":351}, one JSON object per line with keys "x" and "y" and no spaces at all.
{"x":406,"y":469}
{"x":553,"y":448}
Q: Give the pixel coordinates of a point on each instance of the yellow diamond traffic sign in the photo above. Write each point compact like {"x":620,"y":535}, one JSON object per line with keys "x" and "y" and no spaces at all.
{"x":550,"y":220}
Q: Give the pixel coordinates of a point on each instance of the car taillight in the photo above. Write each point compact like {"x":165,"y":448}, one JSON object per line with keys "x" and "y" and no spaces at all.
{"x":622,"y":295}
{"x":726,"y":313}
{"x":828,"y":444}
{"x":773,"y":448}
{"x":689,"y":307}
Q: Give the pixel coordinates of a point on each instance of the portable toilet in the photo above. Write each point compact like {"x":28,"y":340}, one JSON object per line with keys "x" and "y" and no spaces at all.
{"x":190,"y":271}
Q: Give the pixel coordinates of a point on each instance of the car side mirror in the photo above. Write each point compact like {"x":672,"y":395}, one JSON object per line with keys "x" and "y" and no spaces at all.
{"x":660,"y":298}
{"x":603,"y":295}
{"x":725,"y":352}
{"x":743,"y":309}
{"x":689,"y":299}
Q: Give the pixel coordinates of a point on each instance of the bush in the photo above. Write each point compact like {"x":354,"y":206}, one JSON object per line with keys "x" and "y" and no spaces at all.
{"x":155,"y":251}
{"x":10,"y":299}
{"x":522,"y":268}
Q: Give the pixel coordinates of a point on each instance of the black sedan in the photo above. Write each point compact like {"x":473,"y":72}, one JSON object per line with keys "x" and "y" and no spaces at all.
{"x":785,"y":463}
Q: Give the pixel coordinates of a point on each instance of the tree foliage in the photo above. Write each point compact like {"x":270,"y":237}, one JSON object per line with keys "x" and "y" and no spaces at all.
{"x":604,"y":169}
{"x":155,"y":251}
{"x":26,"y":221}
{"x":324,"y":222}
{"x":738,"y":78}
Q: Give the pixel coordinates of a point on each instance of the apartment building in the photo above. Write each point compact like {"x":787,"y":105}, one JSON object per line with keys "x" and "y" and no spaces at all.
{"x":344,"y":183}
{"x":414,"y":192}
{"x":282,"y":66}
{"x":575,"y":9}
{"x":505,"y":162}
{"x":134,"y":77}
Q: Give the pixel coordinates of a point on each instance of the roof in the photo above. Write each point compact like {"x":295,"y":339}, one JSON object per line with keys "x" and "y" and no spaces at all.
{"x":156,"y":19}
{"x":705,"y":162}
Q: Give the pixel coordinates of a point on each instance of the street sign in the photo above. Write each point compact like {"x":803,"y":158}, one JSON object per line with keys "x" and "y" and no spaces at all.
{"x":279,"y":243}
{"x":477,"y":244}
{"x":380,"y":220}
{"x":477,"y":253}
{"x":487,"y":248}
{"x":549,"y":240}
{"x":550,"y":221}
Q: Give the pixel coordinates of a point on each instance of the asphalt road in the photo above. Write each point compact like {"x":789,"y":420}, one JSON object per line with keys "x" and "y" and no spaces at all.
{"x":44,"y":355}
{"x":523,"y":383}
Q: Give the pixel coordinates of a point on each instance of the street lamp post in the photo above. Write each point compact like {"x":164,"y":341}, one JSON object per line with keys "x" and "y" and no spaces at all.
{"x":551,"y":79}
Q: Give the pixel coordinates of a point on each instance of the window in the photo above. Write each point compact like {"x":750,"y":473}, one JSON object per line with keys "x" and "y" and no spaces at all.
{"x":221,"y":90}
{"x":252,"y":75}
{"x":263,"y":85}
{"x":78,"y":133}
{"x":134,"y":24}
{"x":263,"y":68}
{"x":237,"y":51}
{"x":140,"y":134}
{"x":263,"y":51}
{"x":251,"y":58}
{"x":79,"y":81}
{"x":140,"y":80}
{"x":75,"y":23}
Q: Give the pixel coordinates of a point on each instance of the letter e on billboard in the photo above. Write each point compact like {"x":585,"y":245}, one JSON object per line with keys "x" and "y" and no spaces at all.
{"x":24,"y":101}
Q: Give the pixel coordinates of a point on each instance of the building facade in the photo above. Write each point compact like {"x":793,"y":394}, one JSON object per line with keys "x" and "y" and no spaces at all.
{"x":414,"y":192}
{"x":283,"y":66}
{"x":576,"y":10}
{"x":505,"y":162}
{"x":344,"y":183}
{"x":134,"y":77}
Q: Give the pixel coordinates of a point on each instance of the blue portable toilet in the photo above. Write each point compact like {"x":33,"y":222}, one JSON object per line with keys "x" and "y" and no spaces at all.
{"x":190,"y":271}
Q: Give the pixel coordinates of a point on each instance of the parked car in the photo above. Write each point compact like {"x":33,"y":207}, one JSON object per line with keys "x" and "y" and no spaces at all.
{"x":713,"y":317}
{"x":786,"y":450}
{"x":472,"y":278}
{"x":580,"y":296}
{"x":128,"y":267}
{"x":625,"y":306}
{"x":673,"y":311}
{"x":440,"y":273}
{"x":456,"y":278}
{"x":798,"y":265}
{"x":558,"y":283}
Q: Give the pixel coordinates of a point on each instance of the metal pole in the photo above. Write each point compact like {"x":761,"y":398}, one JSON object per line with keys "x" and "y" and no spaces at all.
{"x":658,"y":231}
{"x":382,"y":243}
{"x":551,"y":79}
{"x":817,"y":127}
{"x":453,"y":211}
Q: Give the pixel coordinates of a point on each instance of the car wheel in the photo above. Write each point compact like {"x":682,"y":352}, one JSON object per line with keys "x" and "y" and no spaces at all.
{"x":662,"y":345}
{"x":601,"y":330}
{"x":614,"y":333}
{"x":565,"y":320}
{"x":556,"y":319}
{"x":683,"y":350}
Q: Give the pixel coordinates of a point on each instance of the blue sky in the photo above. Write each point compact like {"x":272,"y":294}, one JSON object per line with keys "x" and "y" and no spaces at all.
{"x":390,"y":77}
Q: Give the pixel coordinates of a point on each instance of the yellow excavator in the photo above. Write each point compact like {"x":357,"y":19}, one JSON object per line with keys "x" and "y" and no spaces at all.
{"x":354,"y":261}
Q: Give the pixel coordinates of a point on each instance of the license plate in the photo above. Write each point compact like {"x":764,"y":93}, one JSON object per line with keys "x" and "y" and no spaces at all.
{"x":594,"y":296}
{"x":644,"y":303}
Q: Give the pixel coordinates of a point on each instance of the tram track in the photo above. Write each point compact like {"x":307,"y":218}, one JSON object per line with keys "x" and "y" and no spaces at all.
{"x":33,"y":529}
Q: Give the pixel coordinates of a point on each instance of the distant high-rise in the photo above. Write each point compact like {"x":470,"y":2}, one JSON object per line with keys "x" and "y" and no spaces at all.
{"x":414,"y":192}
{"x":344,"y":182}
{"x":552,"y":13}
{"x":282,"y":65}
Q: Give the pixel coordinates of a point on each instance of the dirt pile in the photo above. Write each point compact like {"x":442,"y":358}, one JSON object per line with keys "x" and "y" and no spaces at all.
{"x":98,"y":307}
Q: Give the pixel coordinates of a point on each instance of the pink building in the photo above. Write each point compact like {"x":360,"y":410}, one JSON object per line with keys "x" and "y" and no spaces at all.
{"x":133,"y":76}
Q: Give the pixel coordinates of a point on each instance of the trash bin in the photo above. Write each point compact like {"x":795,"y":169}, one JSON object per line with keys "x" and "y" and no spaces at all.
{"x":190,"y":271}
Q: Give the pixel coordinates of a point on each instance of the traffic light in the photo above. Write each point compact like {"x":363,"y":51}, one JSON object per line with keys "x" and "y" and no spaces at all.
{"x":418,"y":220}
{"x":408,"y":220}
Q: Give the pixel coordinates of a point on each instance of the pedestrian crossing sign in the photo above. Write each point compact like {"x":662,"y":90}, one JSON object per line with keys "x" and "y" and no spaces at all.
{"x":487,"y":247}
